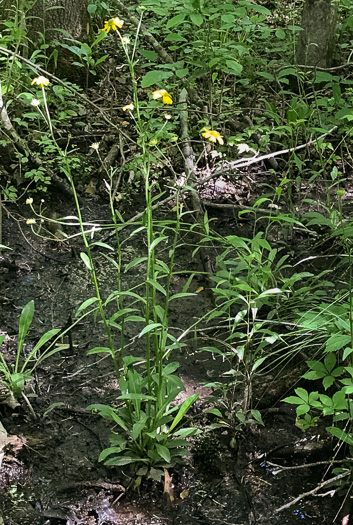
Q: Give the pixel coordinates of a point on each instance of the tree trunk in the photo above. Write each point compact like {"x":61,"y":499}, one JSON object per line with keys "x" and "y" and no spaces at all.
{"x":50,"y":20}
{"x":317,"y":40}
{"x":53,"y":16}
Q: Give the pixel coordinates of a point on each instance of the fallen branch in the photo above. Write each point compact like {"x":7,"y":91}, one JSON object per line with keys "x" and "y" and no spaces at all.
{"x":313,"y":491}
{"x":225,"y":168}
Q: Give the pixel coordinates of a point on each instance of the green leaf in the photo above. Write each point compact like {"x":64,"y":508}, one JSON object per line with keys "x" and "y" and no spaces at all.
{"x":139,"y":397}
{"x":330,"y":362}
{"x":135,"y":262}
{"x":341,"y":435}
{"x":86,"y":260}
{"x":182,"y":73}
{"x":257,"y":416}
{"x":266,"y":75}
{"x":328,"y":381}
{"x":234,"y":66}
{"x":302,"y":393}
{"x":149,"y":328}
{"x":52,"y":407}
{"x":293,"y":400}
{"x":102,"y":245}
{"x":302,"y":409}
{"x":163,"y":452}
{"x":108,"y":451}
{"x":176,"y":20}
{"x":182,"y":411}
{"x":181,"y":294}
{"x":347,"y":351}
{"x":125,"y":460}
{"x":100,"y":350}
{"x":155,"y":77}
{"x":137,"y":429}
{"x":156,"y":242}
{"x":26,"y":318}
{"x":175,"y":37}
{"x":170,"y":368}
{"x":86,"y":304}
{"x":196,"y":19}
{"x":157,"y":286}
{"x":280,"y":34}
{"x":150,"y":55}
{"x":337,"y":341}
{"x":260,"y":9}
{"x":214,"y":411}
{"x":187,"y":432}
{"x":92,"y":8}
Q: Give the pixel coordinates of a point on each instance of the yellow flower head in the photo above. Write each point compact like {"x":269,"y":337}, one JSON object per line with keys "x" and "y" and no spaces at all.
{"x":113,"y":24}
{"x":212,"y":136}
{"x":128,"y":107}
{"x":29,"y":201}
{"x":164,"y":95}
{"x":40,"y":81}
{"x":30,"y":221}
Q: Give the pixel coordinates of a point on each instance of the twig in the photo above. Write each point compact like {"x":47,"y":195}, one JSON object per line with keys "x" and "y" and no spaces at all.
{"x":313,"y":491}
{"x":302,"y":66}
{"x":308,"y":465}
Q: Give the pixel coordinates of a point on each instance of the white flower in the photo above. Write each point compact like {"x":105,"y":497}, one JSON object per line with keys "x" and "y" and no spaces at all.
{"x":35,"y":102}
{"x":29,"y":201}
{"x":95,"y":146}
{"x":167,"y":116}
{"x":30,"y":221}
{"x":125,"y":41}
{"x":244,"y":148}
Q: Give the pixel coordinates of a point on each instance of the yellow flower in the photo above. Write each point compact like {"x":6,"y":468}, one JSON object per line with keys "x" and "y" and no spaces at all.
{"x":30,"y":221}
{"x":212,"y":136}
{"x":40,"y":81}
{"x":29,"y":201}
{"x":164,"y":95}
{"x":95,"y":146}
{"x":129,"y":107}
{"x":113,"y":24}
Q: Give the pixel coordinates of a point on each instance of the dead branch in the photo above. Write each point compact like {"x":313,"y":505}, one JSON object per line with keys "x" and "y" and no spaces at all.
{"x":313,"y":491}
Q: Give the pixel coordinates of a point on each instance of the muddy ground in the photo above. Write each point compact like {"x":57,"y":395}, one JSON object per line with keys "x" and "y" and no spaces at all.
{"x":50,"y":473}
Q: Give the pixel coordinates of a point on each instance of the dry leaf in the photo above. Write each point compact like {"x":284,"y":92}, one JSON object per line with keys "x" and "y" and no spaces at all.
{"x":91,"y":188}
{"x":184,"y":494}
{"x":168,"y":490}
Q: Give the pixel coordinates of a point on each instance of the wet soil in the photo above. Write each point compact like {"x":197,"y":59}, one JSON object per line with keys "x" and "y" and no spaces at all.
{"x":50,"y":474}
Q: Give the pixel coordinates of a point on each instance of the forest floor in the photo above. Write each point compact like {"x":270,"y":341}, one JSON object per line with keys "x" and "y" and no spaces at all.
{"x":50,"y":474}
